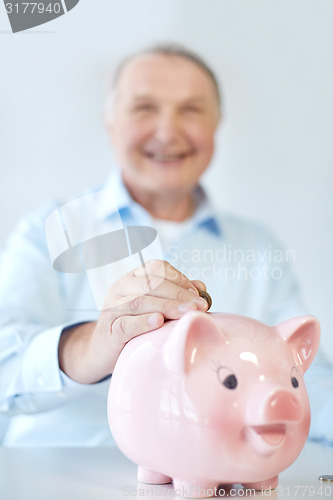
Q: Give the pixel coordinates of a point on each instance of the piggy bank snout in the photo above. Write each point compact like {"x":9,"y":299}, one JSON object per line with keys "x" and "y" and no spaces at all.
{"x":278,"y":407}
{"x":282,"y":406}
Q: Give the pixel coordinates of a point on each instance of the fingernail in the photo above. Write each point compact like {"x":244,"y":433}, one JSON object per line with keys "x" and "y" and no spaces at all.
{"x":202,"y":303}
{"x":186,"y":307}
{"x":193,"y":291}
{"x":153,"y":320}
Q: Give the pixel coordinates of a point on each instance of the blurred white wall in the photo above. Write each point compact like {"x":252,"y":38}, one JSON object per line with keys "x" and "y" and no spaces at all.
{"x":274,"y":158}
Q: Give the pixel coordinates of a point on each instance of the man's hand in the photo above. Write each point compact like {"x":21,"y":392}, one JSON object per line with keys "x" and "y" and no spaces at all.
{"x":137,"y":303}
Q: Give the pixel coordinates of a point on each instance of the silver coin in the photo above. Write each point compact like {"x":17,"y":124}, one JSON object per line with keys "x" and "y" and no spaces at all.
{"x":326,"y":477}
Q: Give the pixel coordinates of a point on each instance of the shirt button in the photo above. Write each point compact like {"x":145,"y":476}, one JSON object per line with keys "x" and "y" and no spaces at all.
{"x":41,"y":381}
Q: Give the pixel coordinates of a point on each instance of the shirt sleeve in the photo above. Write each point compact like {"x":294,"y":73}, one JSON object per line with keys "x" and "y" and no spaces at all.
{"x":319,"y":383}
{"x":33,"y":314}
{"x":285,"y":302}
{"x":284,"y":299}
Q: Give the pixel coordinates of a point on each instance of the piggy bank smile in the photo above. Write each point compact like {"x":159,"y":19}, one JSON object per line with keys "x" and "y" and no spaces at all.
{"x":266,"y":439}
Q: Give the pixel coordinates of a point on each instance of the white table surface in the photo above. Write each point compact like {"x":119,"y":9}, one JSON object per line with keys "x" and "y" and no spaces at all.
{"x":105,"y":474}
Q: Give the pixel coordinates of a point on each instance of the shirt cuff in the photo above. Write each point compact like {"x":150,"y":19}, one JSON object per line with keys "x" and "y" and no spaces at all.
{"x":40,"y":372}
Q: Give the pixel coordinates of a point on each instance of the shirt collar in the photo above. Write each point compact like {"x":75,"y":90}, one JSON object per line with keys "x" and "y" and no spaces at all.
{"x":114,"y":196}
{"x":115,"y":199}
{"x":205,"y":215}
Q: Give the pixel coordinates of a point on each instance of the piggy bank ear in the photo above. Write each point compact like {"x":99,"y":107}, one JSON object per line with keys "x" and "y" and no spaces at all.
{"x":192,"y":339}
{"x":302,"y":335}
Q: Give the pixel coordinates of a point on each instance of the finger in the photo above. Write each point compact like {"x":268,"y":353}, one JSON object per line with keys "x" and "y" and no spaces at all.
{"x":126,"y":328}
{"x":164,"y":270}
{"x":155,"y":286}
{"x":199,"y":285}
{"x":147,"y":304}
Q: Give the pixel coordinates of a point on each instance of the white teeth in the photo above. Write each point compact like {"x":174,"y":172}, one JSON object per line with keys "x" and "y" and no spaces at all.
{"x":166,"y":157}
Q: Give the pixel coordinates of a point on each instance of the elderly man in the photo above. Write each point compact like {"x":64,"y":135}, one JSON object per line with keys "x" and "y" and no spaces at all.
{"x":58,"y":342}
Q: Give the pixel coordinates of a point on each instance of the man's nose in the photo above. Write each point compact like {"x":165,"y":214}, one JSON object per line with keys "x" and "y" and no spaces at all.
{"x":166,"y":127}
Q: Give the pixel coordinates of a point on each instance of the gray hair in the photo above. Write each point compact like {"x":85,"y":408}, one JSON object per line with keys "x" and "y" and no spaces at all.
{"x":171,"y":50}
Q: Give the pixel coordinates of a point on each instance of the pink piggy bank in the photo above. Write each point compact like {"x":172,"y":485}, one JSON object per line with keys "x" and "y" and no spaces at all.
{"x":213,"y":399}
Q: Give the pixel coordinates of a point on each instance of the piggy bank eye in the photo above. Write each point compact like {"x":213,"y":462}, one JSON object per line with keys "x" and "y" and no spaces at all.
{"x":226,"y":377}
{"x":294,"y":382}
{"x":230,"y":382}
{"x":294,"y":379}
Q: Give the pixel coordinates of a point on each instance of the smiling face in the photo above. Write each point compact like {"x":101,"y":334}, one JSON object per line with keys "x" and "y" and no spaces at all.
{"x":165,"y":114}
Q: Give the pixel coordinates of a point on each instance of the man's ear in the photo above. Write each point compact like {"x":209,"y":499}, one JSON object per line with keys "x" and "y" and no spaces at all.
{"x":193,"y":337}
{"x":302,"y":334}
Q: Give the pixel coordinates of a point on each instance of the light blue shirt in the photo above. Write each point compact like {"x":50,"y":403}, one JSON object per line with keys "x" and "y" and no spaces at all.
{"x":245,"y":269}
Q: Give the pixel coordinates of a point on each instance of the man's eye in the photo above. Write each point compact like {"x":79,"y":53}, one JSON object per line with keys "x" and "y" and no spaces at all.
{"x":144,"y":107}
{"x":192,"y":109}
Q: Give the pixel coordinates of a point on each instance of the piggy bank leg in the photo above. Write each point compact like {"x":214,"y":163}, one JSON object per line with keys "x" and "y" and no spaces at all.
{"x":188,"y":489}
{"x":263,"y":485}
{"x":152,"y":477}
